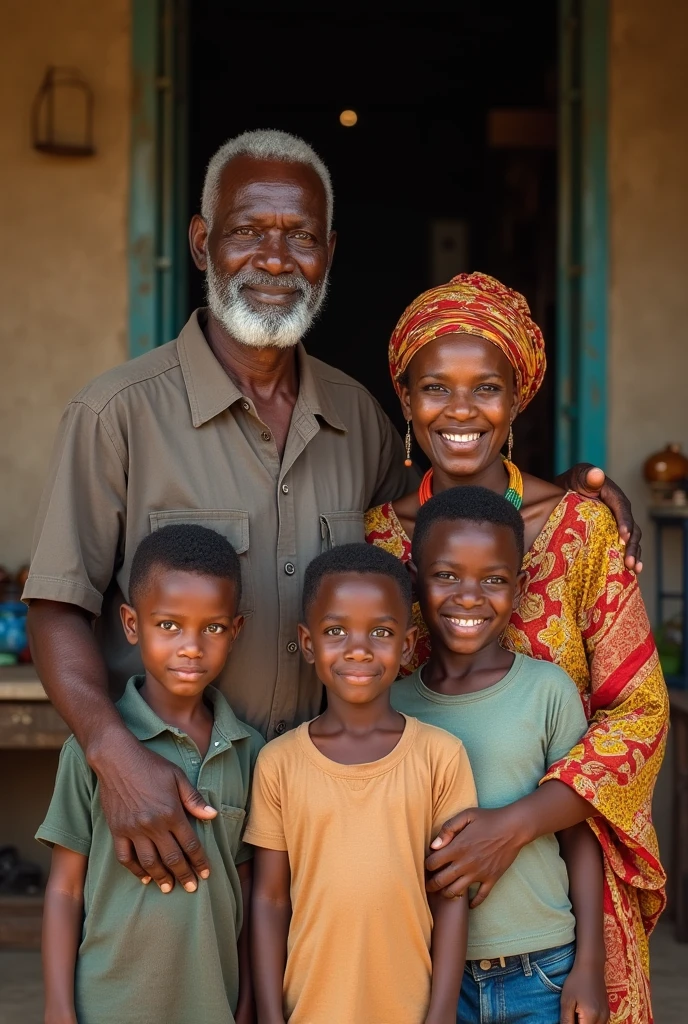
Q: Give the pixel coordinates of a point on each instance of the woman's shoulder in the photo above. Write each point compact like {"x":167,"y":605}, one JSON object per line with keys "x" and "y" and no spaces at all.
{"x":586,"y":518}
{"x":383,"y":528}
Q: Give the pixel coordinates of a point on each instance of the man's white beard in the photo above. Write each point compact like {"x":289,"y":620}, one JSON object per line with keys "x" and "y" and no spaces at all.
{"x":271,"y":327}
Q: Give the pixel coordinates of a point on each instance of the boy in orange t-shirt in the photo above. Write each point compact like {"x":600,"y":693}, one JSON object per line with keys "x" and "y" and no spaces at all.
{"x":344,"y":809}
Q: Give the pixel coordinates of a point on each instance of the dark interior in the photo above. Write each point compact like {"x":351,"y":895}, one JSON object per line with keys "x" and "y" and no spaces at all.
{"x":420,"y":155}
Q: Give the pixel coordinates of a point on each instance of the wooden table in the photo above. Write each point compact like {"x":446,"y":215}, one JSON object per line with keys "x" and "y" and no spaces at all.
{"x":679,"y":860}
{"x":27,"y":718}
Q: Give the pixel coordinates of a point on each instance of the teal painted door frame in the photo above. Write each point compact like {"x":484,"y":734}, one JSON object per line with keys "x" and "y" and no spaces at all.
{"x":582,"y":273}
{"x":157,"y":200}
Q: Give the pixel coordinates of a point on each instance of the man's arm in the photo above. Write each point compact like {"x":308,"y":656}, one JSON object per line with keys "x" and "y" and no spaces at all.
{"x":271,"y":914}
{"x":449,"y":941}
{"x":584,"y":995}
{"x":245,"y":1011}
{"x":592,"y":482}
{"x":143,"y":795}
{"x":63,"y":913}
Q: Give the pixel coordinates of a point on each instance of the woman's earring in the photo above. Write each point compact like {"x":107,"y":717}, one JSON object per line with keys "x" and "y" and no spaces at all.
{"x":510,"y":443}
{"x":408,"y":461}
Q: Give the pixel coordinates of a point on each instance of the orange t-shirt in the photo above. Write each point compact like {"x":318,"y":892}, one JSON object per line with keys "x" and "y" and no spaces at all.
{"x":357,"y":836}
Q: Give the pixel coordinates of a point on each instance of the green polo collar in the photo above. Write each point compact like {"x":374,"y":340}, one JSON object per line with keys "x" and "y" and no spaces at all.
{"x":145,"y":724}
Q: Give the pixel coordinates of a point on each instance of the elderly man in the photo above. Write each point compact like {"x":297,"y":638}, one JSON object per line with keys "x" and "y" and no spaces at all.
{"x":232,"y":426}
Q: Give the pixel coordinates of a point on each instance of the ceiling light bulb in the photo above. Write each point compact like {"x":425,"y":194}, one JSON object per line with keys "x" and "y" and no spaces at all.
{"x":348,"y":118}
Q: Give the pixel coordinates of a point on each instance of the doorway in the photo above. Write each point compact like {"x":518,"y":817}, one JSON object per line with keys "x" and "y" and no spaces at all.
{"x":468,"y":152}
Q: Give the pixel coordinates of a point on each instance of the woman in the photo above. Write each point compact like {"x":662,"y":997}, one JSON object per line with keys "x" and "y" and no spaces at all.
{"x":465,"y":359}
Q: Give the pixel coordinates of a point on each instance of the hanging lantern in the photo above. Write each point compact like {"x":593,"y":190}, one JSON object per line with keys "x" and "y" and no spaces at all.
{"x":62,"y":117}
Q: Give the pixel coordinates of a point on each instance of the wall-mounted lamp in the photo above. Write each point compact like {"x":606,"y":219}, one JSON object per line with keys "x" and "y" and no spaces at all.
{"x":62,"y":115}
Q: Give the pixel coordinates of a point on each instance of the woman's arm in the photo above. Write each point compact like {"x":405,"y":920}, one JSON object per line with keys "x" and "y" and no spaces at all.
{"x":245,"y":1011}
{"x":585,"y":995}
{"x":270,"y":917}
{"x":479,"y":844}
{"x":449,"y":940}
{"x":63,"y":915}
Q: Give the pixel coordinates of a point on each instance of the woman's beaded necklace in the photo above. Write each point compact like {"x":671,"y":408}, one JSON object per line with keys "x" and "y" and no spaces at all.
{"x":513,"y":493}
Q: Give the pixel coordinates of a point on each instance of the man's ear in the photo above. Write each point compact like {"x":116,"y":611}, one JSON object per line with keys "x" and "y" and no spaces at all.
{"x":130,"y":623}
{"x":521,"y":581}
{"x":198,"y":241}
{"x":306,"y":643}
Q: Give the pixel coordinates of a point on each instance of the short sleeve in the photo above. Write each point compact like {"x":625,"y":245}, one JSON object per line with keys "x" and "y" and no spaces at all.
{"x":568,"y":726}
{"x":453,"y":790}
{"x":245,"y":851}
{"x":68,"y":822}
{"x":265,"y":824}
{"x":81,"y":515}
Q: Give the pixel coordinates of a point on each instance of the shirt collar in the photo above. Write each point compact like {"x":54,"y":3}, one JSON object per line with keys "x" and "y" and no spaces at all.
{"x":210,"y":389}
{"x":140,"y":718}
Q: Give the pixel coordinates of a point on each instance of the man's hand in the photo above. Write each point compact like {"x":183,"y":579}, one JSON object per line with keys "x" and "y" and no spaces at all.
{"x":144,"y":798}
{"x":477,"y":845}
{"x":592,"y":482}
{"x":584,"y":996}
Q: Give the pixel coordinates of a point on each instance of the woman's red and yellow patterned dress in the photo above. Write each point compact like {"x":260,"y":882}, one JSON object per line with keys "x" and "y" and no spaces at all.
{"x":582,"y":609}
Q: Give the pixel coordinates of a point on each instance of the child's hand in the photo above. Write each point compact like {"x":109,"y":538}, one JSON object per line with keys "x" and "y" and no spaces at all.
{"x":584,"y":996}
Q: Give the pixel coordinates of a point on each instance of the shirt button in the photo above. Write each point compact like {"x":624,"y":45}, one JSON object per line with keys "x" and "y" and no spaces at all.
{"x":265,"y":435}
{"x":285,"y":489}
{"x":292,"y":647}
{"x":245,"y":405}
{"x":290,"y":568}
{"x":280,"y":727}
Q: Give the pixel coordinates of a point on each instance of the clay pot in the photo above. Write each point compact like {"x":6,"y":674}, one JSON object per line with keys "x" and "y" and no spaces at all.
{"x":668,"y":466}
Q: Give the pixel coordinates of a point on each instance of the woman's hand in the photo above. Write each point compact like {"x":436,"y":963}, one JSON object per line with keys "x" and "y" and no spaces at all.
{"x":591,"y":482}
{"x":477,"y":845}
{"x":584,"y":995}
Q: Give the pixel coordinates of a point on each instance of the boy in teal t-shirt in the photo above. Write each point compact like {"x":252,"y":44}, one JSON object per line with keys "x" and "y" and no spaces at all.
{"x":532,"y":940}
{"x":114,"y":949}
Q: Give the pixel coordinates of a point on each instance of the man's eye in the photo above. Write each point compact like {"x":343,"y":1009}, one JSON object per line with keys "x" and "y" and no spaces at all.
{"x":381,"y":632}
{"x":335,"y":631}
{"x":303,"y":236}
{"x":245,"y":232}
{"x":215,"y":627}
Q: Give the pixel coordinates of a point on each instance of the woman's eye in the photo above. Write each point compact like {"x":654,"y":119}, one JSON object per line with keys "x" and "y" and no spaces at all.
{"x":335,"y":631}
{"x":434,"y":387}
{"x":215,"y":627}
{"x":381,"y":632}
{"x":488,"y":387}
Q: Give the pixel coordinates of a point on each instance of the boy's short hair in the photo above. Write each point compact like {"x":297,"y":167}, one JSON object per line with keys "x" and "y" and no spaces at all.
{"x":472,"y":505}
{"x":363,"y":559}
{"x":184,"y":547}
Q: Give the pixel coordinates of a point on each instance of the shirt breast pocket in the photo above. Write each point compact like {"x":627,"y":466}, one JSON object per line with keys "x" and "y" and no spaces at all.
{"x":341,"y":528}
{"x":233,"y":824}
{"x":230,"y":523}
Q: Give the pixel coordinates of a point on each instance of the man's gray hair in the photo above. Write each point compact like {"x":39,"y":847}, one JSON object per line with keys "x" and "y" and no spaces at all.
{"x":263,"y":144}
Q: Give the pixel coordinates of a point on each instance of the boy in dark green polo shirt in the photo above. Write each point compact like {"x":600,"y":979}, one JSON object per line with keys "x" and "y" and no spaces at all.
{"x":115,"y":950}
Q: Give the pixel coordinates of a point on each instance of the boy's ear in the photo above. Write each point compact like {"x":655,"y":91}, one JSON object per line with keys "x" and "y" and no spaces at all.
{"x":409,"y":644}
{"x":306,"y":643}
{"x":412,"y":570}
{"x":235,"y":629}
{"x":130,"y":623}
{"x":520,"y":587}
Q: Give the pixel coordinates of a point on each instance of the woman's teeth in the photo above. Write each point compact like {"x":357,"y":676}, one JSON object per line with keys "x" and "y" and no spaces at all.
{"x":461,"y":438}
{"x":467,"y":622}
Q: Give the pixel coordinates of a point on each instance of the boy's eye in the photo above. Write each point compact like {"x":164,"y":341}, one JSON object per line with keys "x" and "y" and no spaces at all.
{"x":169,"y":626}
{"x":335,"y":631}
{"x":215,"y":627}
{"x":445,"y":576}
{"x":499,"y":580}
{"x":381,"y":632}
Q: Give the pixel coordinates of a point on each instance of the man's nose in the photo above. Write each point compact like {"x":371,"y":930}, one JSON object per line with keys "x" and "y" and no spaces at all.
{"x":273,"y":254}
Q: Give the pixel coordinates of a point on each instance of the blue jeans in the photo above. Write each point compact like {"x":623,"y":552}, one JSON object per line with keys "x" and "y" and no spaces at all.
{"x":527,"y":990}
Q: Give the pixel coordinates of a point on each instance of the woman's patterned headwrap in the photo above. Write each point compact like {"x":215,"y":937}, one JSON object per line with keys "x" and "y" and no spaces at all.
{"x":473,"y":304}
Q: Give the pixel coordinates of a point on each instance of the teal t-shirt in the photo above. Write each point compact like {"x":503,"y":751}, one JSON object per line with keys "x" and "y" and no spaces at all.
{"x":513,"y":731}
{"x":147,"y":957}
